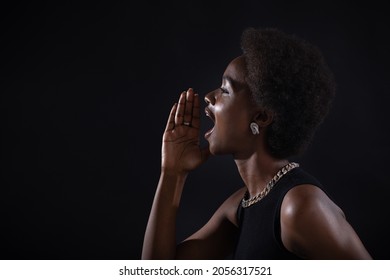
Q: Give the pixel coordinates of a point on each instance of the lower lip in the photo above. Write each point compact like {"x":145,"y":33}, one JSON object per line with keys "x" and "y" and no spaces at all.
{"x":208,"y":133}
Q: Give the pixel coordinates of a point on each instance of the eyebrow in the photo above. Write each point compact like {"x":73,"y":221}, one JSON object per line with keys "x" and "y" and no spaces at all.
{"x":234,"y":83}
{"x":229,"y":79}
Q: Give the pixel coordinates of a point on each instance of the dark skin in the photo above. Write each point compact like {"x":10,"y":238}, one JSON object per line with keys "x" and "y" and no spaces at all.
{"x":312,"y":226}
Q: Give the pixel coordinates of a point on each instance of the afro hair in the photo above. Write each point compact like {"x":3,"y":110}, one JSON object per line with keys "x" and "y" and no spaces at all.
{"x":288,"y":76}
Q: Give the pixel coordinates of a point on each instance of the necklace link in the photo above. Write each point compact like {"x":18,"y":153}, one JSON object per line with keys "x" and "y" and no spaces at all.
{"x":285,"y":169}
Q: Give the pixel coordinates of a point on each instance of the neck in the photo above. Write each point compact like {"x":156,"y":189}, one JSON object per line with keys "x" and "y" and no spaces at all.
{"x":257,"y":170}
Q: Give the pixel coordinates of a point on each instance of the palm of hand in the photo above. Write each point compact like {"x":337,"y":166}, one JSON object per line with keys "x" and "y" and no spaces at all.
{"x":180,"y":150}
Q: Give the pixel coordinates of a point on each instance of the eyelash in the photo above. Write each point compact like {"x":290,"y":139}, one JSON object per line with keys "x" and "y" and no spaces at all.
{"x":224,"y":90}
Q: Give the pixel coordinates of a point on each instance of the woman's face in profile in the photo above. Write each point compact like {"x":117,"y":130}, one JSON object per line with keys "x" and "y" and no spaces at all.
{"x":232,"y":110}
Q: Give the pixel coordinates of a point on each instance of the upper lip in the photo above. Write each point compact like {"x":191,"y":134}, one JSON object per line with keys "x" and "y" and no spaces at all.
{"x":209,"y":113}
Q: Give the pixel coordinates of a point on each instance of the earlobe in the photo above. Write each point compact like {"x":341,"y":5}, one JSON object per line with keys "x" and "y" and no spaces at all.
{"x":255,"y":128}
{"x":262,"y":119}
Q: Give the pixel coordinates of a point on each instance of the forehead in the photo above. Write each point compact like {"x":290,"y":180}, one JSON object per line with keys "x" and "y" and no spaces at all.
{"x":236,"y":69}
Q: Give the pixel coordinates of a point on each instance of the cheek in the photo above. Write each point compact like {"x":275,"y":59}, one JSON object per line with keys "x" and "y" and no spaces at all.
{"x":232,"y":117}
{"x":233,"y":122}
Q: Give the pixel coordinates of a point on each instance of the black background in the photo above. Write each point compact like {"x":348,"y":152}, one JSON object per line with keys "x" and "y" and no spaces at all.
{"x":86,"y":89}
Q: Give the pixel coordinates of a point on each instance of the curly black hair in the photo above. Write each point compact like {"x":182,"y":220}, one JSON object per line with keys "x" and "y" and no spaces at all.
{"x":288,"y":76}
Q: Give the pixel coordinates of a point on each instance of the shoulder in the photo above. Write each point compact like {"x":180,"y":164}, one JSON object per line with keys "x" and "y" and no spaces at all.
{"x":306,"y":203}
{"x":303,"y":199}
{"x":313,"y":226}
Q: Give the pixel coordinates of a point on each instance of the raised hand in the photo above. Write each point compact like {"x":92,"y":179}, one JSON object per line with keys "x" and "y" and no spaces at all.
{"x":180,"y":148}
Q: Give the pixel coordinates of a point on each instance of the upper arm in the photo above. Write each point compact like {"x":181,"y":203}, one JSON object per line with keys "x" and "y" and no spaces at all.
{"x":314,"y":227}
{"x":216,"y":239}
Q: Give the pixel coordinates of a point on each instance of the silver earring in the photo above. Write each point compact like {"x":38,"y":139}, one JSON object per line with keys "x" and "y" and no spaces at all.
{"x":255,"y":128}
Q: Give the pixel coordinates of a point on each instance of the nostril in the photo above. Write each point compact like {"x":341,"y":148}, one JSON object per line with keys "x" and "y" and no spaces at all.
{"x":210,"y":98}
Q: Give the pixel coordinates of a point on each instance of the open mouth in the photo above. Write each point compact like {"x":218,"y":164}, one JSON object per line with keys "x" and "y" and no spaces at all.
{"x":211,"y":116}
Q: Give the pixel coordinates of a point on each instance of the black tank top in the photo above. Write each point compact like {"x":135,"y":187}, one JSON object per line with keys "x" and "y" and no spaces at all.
{"x":259,"y":224}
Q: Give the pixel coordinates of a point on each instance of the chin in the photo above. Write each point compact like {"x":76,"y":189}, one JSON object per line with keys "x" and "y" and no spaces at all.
{"x":218,"y":147}
{"x":218,"y":150}
{"x":213,"y":149}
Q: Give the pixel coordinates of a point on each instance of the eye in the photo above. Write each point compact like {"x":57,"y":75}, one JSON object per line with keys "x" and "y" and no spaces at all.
{"x":224,"y":90}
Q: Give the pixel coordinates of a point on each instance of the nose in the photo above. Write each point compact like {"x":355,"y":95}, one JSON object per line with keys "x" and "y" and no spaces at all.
{"x":210,"y":98}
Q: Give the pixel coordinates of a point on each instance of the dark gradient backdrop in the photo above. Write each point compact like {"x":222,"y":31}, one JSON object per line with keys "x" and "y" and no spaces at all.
{"x":86,"y":89}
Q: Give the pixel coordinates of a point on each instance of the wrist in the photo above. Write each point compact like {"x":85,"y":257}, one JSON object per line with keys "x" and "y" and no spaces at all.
{"x":180,"y":174}
{"x":171,"y":184}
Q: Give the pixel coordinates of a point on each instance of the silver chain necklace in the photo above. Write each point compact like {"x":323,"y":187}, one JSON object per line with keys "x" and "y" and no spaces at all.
{"x":250,"y":201}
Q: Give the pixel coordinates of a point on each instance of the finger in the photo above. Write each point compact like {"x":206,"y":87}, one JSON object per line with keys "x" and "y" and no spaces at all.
{"x":188,"y":108}
{"x":171,"y":118}
{"x":196,"y":112}
{"x":180,"y":109}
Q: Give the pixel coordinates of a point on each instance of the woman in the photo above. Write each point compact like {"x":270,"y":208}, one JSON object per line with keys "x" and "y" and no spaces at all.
{"x":271,"y":100}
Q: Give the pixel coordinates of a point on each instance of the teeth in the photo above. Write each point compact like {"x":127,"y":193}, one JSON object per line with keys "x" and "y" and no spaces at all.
{"x":209,"y":114}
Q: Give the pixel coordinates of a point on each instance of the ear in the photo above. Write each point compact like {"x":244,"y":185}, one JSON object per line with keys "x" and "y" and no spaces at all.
{"x":264,"y":117}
